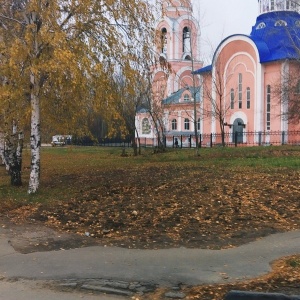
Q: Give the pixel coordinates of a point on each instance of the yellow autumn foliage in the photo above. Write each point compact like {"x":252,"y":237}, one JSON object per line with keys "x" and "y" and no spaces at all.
{"x":72,"y":50}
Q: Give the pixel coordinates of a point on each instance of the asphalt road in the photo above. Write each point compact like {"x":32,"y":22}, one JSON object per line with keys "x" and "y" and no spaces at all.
{"x":25,"y":290}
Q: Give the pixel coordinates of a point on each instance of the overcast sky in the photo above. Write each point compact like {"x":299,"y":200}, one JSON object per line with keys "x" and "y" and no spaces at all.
{"x":221,"y":18}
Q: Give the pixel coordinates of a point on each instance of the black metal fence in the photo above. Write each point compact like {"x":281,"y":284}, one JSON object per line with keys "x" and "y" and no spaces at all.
{"x":236,"y":139}
{"x":105,"y":142}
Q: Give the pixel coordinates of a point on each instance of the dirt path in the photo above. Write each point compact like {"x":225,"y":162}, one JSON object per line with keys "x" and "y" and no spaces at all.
{"x":36,"y":237}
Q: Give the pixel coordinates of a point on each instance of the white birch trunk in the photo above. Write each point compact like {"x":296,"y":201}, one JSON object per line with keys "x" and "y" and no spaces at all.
{"x":35,"y":139}
{"x":2,"y":147}
{"x":4,"y":150}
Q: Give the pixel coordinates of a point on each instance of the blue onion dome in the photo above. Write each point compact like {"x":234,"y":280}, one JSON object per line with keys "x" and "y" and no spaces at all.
{"x":277,"y":30}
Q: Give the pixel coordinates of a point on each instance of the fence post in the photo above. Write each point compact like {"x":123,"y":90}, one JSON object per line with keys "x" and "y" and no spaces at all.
{"x":259,"y":138}
{"x":200,"y":140}
{"x":181,"y":141}
{"x":283,"y":138}
{"x":235,"y":138}
{"x":211,"y":140}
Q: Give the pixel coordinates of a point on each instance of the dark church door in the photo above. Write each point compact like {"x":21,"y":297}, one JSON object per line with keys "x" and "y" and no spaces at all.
{"x":238,"y":131}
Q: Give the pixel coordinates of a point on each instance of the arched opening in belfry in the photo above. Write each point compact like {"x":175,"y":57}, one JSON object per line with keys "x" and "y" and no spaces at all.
{"x":186,"y":40}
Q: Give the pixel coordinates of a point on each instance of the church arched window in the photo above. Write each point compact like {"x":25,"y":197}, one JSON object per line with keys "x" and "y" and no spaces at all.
{"x":186,"y":124}
{"x":232,"y":99}
{"x":174,"y":124}
{"x":240,"y":90}
{"x":186,"y":98}
{"x":186,"y":40}
{"x":248,"y":95}
{"x":281,"y":23}
{"x":261,"y":25}
{"x":198,"y":124}
{"x":164,"y":40}
{"x":146,"y":128}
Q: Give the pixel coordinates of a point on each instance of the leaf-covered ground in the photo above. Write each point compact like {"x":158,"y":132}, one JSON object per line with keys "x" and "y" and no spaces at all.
{"x":224,"y":198}
{"x":170,"y":204}
{"x":162,"y":207}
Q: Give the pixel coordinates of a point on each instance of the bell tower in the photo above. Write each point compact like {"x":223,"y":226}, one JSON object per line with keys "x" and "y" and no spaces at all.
{"x":178,"y":42}
{"x":179,"y":31}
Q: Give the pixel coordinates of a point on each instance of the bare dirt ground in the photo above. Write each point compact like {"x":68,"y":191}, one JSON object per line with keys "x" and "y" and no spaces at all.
{"x":29,"y":237}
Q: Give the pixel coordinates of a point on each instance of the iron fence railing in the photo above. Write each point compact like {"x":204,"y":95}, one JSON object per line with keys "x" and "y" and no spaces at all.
{"x":236,"y":139}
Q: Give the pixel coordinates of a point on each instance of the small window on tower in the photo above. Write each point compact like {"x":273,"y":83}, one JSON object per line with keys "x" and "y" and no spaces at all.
{"x":164,"y":40}
{"x":186,"y":40}
{"x":186,"y":98}
{"x":280,"y":4}
{"x":281,"y":23}
{"x":261,"y":25}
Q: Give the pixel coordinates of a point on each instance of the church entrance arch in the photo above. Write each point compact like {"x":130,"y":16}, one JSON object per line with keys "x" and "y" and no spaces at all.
{"x":238,"y":131}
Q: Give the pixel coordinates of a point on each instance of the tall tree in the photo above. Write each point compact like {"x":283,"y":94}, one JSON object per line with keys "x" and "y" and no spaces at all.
{"x":128,"y":99}
{"x":216,"y":105}
{"x":55,"y":56}
{"x":288,"y":92}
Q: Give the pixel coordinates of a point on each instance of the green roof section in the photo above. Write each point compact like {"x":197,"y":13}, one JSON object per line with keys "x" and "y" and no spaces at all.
{"x":177,"y":97}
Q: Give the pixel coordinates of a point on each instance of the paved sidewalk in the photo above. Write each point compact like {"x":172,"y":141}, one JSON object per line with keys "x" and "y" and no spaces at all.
{"x":161,"y":267}
{"x":23,"y":290}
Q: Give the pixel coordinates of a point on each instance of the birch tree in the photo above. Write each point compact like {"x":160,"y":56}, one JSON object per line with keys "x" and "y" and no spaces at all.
{"x":128,"y":100}
{"x":55,"y":58}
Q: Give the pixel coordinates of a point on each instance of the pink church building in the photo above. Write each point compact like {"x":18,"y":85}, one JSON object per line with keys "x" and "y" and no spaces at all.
{"x":248,"y":93}
{"x":175,"y":88}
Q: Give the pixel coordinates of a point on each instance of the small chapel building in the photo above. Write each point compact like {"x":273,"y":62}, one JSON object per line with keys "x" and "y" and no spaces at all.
{"x":247,"y":94}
